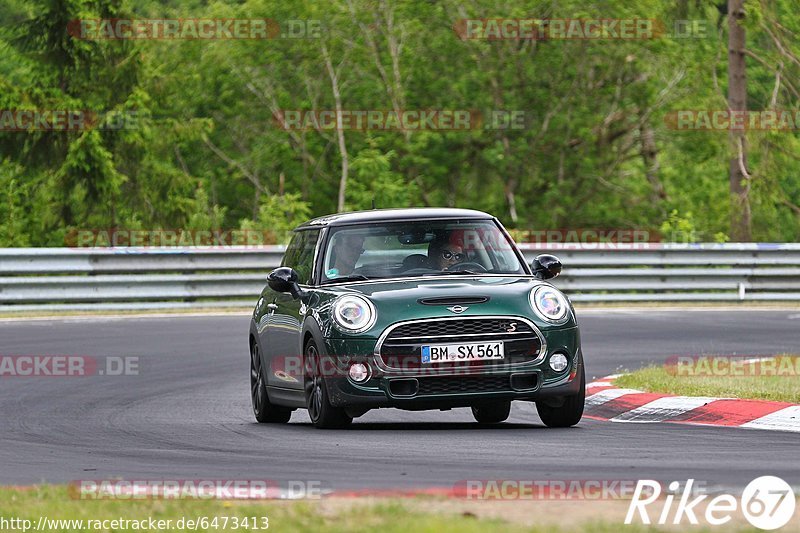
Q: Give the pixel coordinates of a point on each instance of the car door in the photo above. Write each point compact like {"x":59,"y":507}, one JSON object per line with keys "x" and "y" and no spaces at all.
{"x":286,"y":321}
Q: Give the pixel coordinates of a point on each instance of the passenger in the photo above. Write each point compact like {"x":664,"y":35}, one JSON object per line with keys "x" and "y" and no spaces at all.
{"x":347,"y":250}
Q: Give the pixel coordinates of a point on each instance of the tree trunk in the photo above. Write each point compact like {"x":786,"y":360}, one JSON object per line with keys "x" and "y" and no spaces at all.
{"x":337,"y":98}
{"x":737,"y":101}
{"x":649,"y":153}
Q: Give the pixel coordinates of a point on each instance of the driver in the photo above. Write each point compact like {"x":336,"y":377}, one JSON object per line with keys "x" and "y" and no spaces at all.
{"x":445,"y":254}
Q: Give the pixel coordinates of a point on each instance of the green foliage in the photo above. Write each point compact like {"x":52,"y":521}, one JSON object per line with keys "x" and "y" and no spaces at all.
{"x":375,"y":181}
{"x":205,"y":216}
{"x":278,"y":215}
{"x":14,"y":224}
{"x":204,"y":151}
{"x":679,"y":228}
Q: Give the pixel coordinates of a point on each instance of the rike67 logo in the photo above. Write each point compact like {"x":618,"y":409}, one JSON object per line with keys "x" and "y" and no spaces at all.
{"x":768,"y":503}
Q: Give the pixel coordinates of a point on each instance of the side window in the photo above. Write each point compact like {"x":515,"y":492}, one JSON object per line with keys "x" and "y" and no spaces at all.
{"x":300,"y":254}
{"x":292,"y":251}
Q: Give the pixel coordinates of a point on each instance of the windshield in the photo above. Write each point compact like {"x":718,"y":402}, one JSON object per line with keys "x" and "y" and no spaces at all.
{"x":424,"y":248}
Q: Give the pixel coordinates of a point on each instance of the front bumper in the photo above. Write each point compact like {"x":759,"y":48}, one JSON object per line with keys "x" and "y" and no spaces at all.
{"x":442,"y":388}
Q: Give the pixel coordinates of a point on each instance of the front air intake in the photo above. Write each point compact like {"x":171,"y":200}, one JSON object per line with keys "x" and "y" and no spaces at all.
{"x":403,"y":388}
{"x":524,"y":382}
{"x":454,"y":300}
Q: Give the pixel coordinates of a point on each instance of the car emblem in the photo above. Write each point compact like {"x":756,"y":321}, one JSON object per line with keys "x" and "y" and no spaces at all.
{"x":457,"y":309}
{"x":512,"y":327}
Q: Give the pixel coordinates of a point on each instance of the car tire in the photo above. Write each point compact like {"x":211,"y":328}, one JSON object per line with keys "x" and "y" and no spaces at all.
{"x":570,"y":410}
{"x":492,"y":412}
{"x":322,"y":414}
{"x":265,"y":411}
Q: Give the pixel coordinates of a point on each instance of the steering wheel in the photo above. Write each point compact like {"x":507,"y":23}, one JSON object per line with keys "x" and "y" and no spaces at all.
{"x":417,"y":271}
{"x":467,"y":265}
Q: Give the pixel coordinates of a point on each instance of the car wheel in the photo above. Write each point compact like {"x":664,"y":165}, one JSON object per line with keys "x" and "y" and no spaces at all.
{"x":323,"y":415}
{"x":491,"y":412}
{"x":264,"y":410}
{"x":566,"y":413}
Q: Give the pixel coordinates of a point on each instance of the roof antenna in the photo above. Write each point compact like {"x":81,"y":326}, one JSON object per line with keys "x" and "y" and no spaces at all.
{"x":373,"y":203}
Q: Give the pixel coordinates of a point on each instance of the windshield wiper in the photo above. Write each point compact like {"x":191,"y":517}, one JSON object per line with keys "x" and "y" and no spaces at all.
{"x":464,"y":271}
{"x":354,"y":277}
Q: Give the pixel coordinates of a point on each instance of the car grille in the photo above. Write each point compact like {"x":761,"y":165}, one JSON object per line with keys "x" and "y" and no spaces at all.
{"x":471,"y":384}
{"x":462,"y":384}
{"x":402,"y":348}
{"x":464,"y":326}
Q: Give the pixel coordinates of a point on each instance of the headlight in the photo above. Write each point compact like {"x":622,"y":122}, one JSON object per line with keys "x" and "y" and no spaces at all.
{"x":549,"y":303}
{"x":353,"y":314}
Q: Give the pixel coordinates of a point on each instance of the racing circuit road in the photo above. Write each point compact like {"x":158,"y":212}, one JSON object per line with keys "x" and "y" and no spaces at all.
{"x":187,"y":414}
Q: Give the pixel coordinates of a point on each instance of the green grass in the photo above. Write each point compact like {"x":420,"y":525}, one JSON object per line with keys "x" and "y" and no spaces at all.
{"x":418,"y":514}
{"x":296,"y":516}
{"x":713,"y":376}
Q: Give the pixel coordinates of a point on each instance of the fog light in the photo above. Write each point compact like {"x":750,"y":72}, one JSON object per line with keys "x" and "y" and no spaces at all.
{"x":359,"y":372}
{"x":558,"y":362}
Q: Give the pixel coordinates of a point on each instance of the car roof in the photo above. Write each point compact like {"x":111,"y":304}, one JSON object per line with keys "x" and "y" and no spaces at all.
{"x":384,"y":215}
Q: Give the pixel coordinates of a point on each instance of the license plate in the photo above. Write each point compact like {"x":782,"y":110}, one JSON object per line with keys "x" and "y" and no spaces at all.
{"x":473,"y":351}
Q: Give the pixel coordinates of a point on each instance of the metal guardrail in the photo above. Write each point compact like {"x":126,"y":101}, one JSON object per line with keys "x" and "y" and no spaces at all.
{"x":136,"y":278}
{"x":680,"y":272}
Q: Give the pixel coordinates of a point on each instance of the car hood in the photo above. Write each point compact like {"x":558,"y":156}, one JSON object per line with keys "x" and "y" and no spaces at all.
{"x":410,"y":299}
{"x":439,"y":286}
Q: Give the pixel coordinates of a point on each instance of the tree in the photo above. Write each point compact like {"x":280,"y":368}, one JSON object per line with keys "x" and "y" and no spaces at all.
{"x":737,"y":102}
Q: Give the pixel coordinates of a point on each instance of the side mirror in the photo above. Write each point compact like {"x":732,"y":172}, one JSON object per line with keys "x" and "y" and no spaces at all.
{"x":284,"y":279}
{"x":546,"y":266}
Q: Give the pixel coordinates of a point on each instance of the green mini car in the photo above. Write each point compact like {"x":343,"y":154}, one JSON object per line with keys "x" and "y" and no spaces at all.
{"x":413,"y":309}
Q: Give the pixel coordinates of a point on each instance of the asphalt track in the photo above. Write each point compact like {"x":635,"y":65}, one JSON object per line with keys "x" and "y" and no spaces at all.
{"x":187,"y":414}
